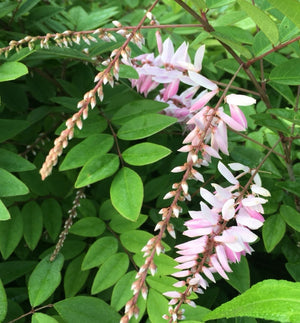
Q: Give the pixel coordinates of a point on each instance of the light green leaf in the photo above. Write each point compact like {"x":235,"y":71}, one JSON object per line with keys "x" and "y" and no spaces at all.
{"x":127,"y":193}
{"x":263,"y":21}
{"x":128,"y":72}
{"x":157,"y":306}
{"x":97,"y":168}
{"x":290,"y":8}
{"x":277,"y":300}
{"x":97,"y":144}
{"x":13,"y":162}
{"x":44,"y":279}
{"x":273,"y":231}
{"x":11,"y":185}
{"x":12,"y":70}
{"x":42,"y":318}
{"x":74,"y":278}
{"x":144,"y":126}
{"x":135,"y":240}
{"x":52,"y":217}
{"x":99,"y":252}
{"x":110,"y":272}
{"x":137,"y":108}
{"x":11,"y":232}
{"x":10,"y":128}
{"x":4,"y":214}
{"x":144,"y":153}
{"x":88,"y":227}
{"x":290,"y":216}
{"x":287,"y":72}
{"x":81,"y":309}
{"x":32,"y":223}
{"x":3,"y":302}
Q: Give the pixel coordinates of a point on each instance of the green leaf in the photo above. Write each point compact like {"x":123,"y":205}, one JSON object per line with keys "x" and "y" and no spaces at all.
{"x":11,"y":232}
{"x":110,"y":272}
{"x":99,"y":251}
{"x":12,"y":70}
{"x":88,"y":227}
{"x":74,"y":278}
{"x":32,"y":223}
{"x":11,"y":185}
{"x":42,"y":318}
{"x":81,"y":309}
{"x":273,"y":231}
{"x":122,"y":291}
{"x":269,"y":300}
{"x":52,"y":217}
{"x":97,"y":144}
{"x":13,"y":162}
{"x":294,"y":270}
{"x":137,"y":108}
{"x":283,"y":90}
{"x":195,"y":314}
{"x":128,"y":72}
{"x":287,"y":72}
{"x":120,"y":224}
{"x":135,"y":240}
{"x":157,"y":306}
{"x":290,"y":186}
{"x":290,"y":8}
{"x":230,"y":65}
{"x":127,"y":193}
{"x":144,"y":153}
{"x":44,"y":279}
{"x":290,"y":216}
{"x":4,"y":214}
{"x":240,"y":276}
{"x":97,"y":168}
{"x":6,"y":8}
{"x":3,"y":302}
{"x":144,"y":126}
{"x":10,"y":128}
{"x":262,"y":20}
{"x":26,"y":7}
{"x":287,"y":114}
{"x":268,"y":121}
{"x":11,"y":270}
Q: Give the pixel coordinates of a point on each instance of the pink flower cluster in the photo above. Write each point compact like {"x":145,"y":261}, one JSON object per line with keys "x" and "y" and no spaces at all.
{"x":221,"y":231}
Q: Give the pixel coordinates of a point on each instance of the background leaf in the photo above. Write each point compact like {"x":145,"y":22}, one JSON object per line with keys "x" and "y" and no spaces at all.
{"x":11,"y":185}
{"x":12,"y":70}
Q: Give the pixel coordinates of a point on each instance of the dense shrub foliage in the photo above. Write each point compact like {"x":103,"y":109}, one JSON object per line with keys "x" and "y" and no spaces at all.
{"x":149,"y":161}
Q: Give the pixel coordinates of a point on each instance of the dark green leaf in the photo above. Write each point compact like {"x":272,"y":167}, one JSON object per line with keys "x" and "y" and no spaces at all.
{"x":11,"y":232}
{"x":144,"y":126}
{"x":136,"y":108}
{"x":110,"y":272}
{"x":294,"y":270}
{"x":81,"y":309}
{"x":290,"y":186}
{"x":13,"y":162}
{"x":12,"y":70}
{"x":99,"y":251}
{"x":127,"y":193}
{"x":120,"y":224}
{"x":52,"y":217}
{"x":269,"y":300}
{"x":11,"y":270}
{"x":287,"y":72}
{"x":7,"y":7}
{"x":97,"y":144}
{"x":10,"y":128}
{"x":74,"y":278}
{"x":290,"y":216}
{"x":88,"y":227}
{"x":273,"y":231}
{"x":32,"y":223}
{"x":144,"y":153}
{"x":44,"y":279}
{"x":239,"y":278}
{"x":230,"y":65}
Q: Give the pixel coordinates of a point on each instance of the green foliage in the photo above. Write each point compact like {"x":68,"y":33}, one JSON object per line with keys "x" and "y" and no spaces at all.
{"x":98,"y":208}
